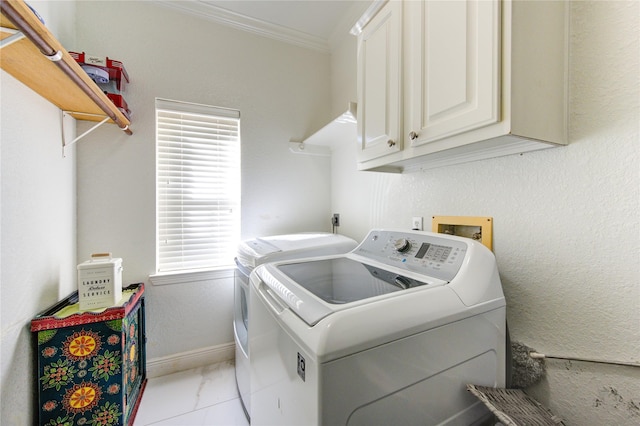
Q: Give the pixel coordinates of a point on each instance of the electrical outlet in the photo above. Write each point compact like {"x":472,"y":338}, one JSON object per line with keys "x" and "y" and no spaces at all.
{"x":416,"y":223}
{"x":335,"y":219}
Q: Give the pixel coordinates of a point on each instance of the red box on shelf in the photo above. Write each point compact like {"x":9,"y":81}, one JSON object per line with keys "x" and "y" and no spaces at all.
{"x":119,"y":102}
{"x":109,"y":74}
{"x":115,"y":68}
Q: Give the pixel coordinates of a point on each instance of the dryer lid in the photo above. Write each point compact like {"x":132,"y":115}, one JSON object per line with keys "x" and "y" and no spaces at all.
{"x":252,"y":253}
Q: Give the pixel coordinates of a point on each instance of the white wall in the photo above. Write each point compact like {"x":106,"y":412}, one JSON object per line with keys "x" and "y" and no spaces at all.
{"x":282,"y":94}
{"x":38,"y":222}
{"x":566,"y":223}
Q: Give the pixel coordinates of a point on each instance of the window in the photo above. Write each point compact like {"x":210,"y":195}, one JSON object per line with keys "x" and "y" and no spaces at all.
{"x":198,"y":185}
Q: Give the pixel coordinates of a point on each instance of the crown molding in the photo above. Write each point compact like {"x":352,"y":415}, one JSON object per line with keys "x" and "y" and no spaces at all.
{"x":245,"y":23}
{"x":367,"y":16}
{"x":351,"y":18}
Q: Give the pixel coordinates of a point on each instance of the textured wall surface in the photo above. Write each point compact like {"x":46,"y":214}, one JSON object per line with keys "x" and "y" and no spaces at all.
{"x":566,"y":223}
{"x":38,"y":231}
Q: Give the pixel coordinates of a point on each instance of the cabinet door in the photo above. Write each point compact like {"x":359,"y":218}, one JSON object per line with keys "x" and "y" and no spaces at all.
{"x":454,"y":64}
{"x":379,"y":84}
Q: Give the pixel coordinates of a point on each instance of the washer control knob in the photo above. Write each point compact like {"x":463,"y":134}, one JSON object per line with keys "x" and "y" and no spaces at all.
{"x":402,"y":245}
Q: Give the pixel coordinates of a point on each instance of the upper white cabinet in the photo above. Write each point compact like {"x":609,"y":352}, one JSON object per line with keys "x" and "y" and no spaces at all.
{"x":478,"y":79}
{"x":453,"y":68}
{"x":379,"y":84}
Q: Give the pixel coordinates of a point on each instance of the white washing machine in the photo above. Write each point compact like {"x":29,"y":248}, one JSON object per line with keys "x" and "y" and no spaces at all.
{"x":388,"y":334}
{"x":254,"y":252}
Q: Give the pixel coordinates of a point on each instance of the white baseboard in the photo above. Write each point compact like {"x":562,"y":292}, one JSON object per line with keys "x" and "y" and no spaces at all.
{"x":192,"y":359}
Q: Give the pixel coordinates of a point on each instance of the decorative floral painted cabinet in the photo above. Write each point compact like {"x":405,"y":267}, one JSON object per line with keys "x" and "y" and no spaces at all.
{"x":91,"y":365}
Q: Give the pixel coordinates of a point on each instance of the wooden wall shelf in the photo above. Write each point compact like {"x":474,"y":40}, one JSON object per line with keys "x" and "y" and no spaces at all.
{"x":62,"y":82}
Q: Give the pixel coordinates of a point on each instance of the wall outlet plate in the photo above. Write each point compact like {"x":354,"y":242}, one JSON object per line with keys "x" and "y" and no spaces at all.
{"x":416,"y":223}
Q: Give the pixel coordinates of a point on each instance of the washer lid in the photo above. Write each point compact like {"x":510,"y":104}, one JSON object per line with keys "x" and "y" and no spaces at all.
{"x":315,"y":289}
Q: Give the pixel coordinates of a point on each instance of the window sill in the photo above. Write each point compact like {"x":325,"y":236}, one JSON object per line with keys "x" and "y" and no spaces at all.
{"x":170,"y":278}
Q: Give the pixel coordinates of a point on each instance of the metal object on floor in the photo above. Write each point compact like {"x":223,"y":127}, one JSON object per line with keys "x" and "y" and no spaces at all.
{"x":513,"y":407}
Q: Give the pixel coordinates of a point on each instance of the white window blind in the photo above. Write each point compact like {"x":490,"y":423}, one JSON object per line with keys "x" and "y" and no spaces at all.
{"x":198,"y":185}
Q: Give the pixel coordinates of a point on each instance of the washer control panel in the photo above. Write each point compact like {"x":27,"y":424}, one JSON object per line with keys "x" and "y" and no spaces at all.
{"x":428,"y":254}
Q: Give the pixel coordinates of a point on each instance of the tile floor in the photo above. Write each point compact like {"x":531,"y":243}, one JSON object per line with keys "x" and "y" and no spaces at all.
{"x":205,"y":396}
{"x":202,"y":396}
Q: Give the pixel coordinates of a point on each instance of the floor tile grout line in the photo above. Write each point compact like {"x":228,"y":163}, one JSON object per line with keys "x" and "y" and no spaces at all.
{"x":187,"y":412}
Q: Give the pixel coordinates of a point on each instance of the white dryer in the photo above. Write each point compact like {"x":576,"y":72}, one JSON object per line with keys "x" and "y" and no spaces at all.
{"x":389,"y":333}
{"x":254,"y":252}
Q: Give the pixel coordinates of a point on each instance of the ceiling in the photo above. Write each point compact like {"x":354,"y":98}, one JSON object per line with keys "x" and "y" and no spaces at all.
{"x":308,"y":23}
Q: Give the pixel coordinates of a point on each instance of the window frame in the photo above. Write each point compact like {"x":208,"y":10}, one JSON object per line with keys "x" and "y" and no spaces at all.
{"x":225,"y":144}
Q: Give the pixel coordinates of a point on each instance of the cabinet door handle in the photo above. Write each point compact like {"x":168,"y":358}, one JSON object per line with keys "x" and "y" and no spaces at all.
{"x":391,"y":143}
{"x":413,"y":136}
